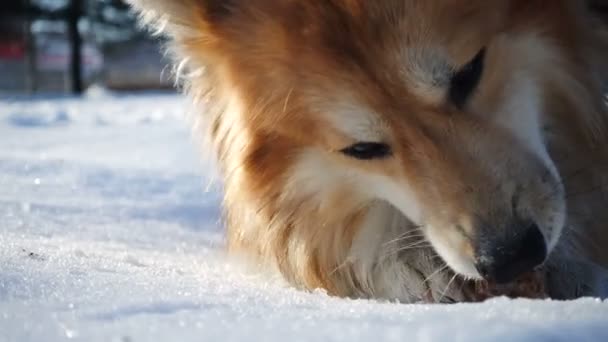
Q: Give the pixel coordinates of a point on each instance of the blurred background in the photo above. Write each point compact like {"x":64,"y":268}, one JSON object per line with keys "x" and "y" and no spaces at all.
{"x":67,"y":46}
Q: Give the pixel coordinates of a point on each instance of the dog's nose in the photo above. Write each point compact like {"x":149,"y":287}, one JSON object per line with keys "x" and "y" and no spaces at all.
{"x":504,"y":260}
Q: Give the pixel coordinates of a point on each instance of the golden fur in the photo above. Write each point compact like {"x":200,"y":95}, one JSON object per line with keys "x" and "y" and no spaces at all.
{"x":277,"y":78}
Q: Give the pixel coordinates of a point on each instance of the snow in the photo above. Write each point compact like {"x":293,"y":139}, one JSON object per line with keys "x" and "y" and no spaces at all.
{"x":109,"y":231}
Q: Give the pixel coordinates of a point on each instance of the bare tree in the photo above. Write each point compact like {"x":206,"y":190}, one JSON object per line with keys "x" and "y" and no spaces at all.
{"x":74,"y":13}
{"x":31,"y":70}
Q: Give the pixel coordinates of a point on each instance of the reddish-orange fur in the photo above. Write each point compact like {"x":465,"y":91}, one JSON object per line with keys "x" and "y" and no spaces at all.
{"x":272,"y":69}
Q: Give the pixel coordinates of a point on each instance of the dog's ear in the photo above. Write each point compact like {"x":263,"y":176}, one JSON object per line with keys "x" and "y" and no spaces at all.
{"x":183,"y":18}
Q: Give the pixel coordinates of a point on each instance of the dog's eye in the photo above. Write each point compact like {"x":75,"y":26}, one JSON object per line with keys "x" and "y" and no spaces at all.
{"x":465,"y":80}
{"x":367,"y":150}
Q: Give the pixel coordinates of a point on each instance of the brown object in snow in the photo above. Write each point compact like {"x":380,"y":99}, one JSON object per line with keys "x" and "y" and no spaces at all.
{"x":529,"y":285}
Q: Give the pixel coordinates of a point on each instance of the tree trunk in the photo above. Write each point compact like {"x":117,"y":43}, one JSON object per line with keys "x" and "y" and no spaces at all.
{"x":74,"y":13}
{"x":30,"y":52}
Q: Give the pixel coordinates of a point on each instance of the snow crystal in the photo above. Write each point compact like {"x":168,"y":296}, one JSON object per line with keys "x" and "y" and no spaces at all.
{"x":107,"y":234}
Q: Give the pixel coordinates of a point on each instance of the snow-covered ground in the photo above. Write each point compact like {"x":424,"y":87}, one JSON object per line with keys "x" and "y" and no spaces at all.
{"x":109,"y":232}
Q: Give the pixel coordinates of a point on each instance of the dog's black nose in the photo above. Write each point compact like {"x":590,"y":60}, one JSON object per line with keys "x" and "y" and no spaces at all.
{"x":503,"y":260}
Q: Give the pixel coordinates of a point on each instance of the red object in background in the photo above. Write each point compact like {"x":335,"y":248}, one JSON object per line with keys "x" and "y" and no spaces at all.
{"x":12,"y":50}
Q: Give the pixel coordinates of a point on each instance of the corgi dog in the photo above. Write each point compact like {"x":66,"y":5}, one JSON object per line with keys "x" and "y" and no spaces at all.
{"x":400,"y":149}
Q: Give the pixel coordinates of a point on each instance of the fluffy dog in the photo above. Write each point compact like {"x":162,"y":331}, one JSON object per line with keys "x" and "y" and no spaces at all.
{"x":400,"y":149}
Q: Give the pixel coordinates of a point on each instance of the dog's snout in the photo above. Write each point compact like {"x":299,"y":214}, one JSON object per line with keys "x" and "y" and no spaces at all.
{"x":503,"y":260}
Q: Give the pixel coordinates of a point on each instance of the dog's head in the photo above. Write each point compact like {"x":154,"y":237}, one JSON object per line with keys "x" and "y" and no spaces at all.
{"x":440,"y":108}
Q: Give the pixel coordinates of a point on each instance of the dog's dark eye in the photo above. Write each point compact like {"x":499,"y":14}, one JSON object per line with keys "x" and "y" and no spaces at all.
{"x":367,"y":150}
{"x":465,"y":80}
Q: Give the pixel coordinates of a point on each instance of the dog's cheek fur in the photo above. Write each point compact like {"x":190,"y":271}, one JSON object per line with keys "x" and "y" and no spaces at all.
{"x":298,"y":222}
{"x":328,"y":230}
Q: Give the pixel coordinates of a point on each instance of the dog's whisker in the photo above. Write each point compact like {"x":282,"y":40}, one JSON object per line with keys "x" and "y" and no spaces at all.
{"x":340,"y":266}
{"x":404,"y":238}
{"x":447,"y":287}
{"x":414,"y":244}
{"x":417,"y":245}
{"x":411,"y":230}
{"x":437,"y":271}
